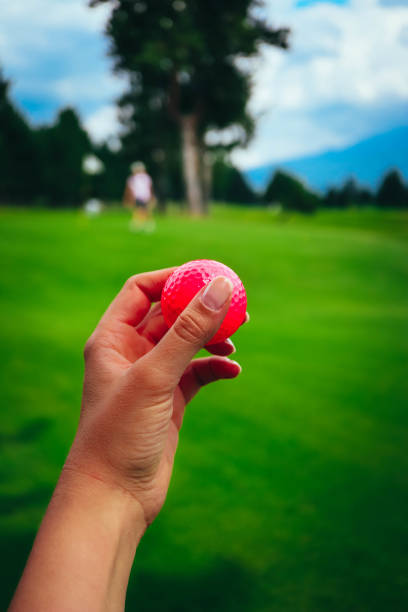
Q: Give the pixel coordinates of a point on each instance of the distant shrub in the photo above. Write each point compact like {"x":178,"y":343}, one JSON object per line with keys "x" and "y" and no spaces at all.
{"x":393,"y":193}
{"x":350,"y":194}
{"x":290,"y":193}
{"x":229,"y":185}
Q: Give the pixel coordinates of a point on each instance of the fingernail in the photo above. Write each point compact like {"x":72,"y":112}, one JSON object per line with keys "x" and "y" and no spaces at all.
{"x":238,"y":364}
{"x":247,"y":317}
{"x":217,"y":293}
{"x":231,"y":344}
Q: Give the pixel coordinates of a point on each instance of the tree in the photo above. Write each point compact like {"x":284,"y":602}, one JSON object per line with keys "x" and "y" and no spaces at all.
{"x":19,"y":163}
{"x":333,"y":198}
{"x":229,"y":185}
{"x":349,"y":194}
{"x":181,"y":59}
{"x":290,"y":193}
{"x":62,"y":148}
{"x":392,"y":191}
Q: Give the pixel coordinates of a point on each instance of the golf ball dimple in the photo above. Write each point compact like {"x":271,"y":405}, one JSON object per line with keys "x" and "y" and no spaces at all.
{"x":187,"y":280}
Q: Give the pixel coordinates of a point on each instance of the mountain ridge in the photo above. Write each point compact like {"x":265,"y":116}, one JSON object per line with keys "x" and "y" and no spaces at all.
{"x":367,"y":161}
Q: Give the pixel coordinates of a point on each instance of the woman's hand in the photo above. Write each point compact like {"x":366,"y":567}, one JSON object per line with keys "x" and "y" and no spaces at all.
{"x":139,"y":376}
{"x":138,"y":379}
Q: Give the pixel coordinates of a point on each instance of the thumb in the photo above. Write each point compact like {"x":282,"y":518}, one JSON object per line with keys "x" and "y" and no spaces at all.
{"x":194,"y":327}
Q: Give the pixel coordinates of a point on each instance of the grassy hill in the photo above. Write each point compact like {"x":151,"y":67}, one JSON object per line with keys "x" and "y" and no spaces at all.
{"x":290,"y":490}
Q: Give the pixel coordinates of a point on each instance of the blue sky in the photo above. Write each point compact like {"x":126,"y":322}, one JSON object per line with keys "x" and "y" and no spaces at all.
{"x":345,"y":77}
{"x":302,"y":3}
{"x":51,"y":78}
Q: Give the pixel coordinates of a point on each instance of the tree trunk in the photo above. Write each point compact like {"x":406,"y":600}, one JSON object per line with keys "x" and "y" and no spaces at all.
{"x":206,"y":176}
{"x":191,"y":164}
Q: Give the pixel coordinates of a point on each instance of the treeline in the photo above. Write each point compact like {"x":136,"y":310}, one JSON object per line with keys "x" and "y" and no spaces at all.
{"x":288,"y":192}
{"x":45,"y":166}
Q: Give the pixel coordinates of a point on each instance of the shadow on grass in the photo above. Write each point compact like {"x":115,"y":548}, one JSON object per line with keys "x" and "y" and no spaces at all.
{"x":15,"y":548}
{"x":227,"y":586}
{"x":38,"y":497}
{"x":30,"y":432}
{"x":16,"y":545}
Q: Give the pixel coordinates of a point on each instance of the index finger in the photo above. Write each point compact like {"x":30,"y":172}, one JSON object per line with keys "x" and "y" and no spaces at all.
{"x":135,"y":298}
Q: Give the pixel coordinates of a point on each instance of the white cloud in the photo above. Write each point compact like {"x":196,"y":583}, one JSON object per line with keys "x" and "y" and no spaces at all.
{"x":36,"y":24}
{"x":86,"y":87}
{"x":352,"y":55}
{"x":103,"y":124}
{"x":286,"y":135}
{"x":62,"y":14}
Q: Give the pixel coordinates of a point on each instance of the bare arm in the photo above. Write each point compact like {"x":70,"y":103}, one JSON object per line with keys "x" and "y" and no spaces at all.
{"x":83,"y":552}
{"x":139,"y":376}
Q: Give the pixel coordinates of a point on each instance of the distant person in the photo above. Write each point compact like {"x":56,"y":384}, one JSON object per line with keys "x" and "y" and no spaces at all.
{"x":139,"y":377}
{"x":139,"y":196}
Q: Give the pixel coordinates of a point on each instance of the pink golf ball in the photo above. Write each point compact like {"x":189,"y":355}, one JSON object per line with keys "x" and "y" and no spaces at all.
{"x":187,"y":280}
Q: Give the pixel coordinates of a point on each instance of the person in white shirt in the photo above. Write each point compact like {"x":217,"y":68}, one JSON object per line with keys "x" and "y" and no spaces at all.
{"x":139,"y":196}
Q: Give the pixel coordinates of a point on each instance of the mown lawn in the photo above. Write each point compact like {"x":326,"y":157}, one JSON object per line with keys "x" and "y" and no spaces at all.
{"x":290,"y":490}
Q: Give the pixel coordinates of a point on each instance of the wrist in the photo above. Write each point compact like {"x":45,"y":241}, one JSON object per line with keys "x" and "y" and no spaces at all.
{"x":119,"y":510}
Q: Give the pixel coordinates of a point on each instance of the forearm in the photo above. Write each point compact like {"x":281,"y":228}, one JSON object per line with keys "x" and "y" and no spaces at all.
{"x":84,"y":550}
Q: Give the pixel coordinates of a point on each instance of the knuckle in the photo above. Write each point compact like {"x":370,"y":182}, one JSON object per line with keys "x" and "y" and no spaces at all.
{"x":148,"y":377}
{"x":190,"y":328}
{"x":90,"y":346}
{"x":131,"y":282}
{"x":151,"y":378}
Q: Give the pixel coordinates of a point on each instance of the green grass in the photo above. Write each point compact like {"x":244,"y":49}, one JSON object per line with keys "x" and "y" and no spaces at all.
{"x":290,"y":490}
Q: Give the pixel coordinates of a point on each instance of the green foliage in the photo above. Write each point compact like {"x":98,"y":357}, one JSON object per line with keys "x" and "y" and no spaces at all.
{"x":350,"y":194}
{"x":180,"y":55}
{"x":109,"y":184}
{"x":229,"y":185}
{"x":44,"y":164}
{"x":290,"y":489}
{"x":61,"y":148}
{"x":392,"y":191}
{"x":19,"y":164}
{"x":290,"y":193}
